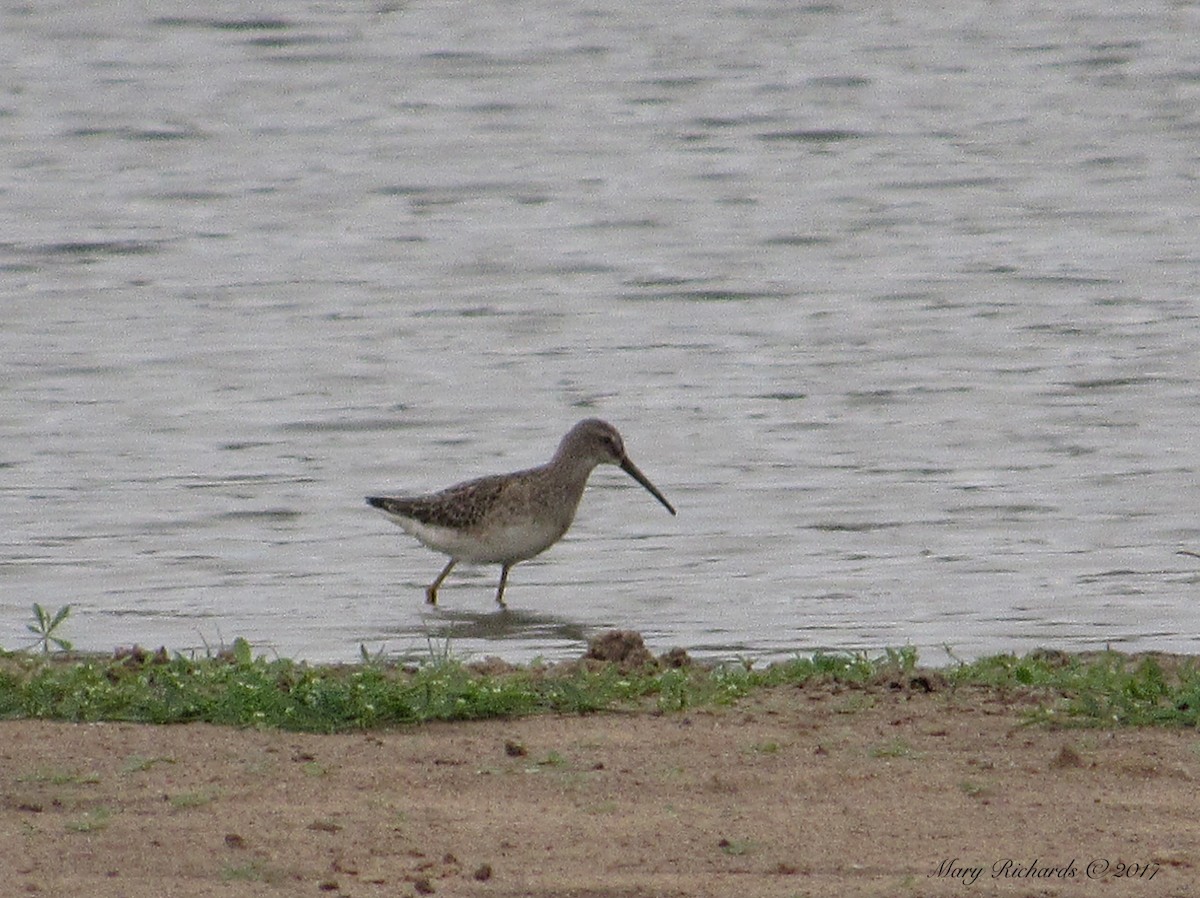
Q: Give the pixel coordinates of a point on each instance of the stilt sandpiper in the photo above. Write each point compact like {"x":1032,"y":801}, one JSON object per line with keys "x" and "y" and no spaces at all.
{"x":506,"y":518}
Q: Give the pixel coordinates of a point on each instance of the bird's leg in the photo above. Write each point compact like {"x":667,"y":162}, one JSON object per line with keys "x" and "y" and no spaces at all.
{"x":431,"y":592}
{"x":503,"y":580}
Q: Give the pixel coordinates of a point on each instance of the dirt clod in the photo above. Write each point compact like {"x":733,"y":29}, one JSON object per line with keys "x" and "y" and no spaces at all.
{"x":515,"y":749}
{"x":624,"y":648}
{"x":1066,"y":758}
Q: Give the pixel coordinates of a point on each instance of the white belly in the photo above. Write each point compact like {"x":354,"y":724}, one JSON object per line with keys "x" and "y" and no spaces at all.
{"x":506,"y":544}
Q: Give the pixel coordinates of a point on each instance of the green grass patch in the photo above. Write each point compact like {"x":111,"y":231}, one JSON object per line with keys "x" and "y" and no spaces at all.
{"x":185,"y":801}
{"x":736,"y":847}
{"x":56,"y":777}
{"x":236,"y":688}
{"x":252,"y":872}
{"x":894,"y":748}
{"x":974,"y":789}
{"x":91,"y":822}
{"x":769,"y":747}
{"x":1096,"y":688}
{"x":139,"y":764}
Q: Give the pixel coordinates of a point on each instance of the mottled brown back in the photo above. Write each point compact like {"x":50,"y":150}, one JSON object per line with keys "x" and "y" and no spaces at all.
{"x":459,"y":507}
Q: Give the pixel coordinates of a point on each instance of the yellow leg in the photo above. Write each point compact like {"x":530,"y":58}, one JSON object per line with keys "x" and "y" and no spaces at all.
{"x":431,"y":592}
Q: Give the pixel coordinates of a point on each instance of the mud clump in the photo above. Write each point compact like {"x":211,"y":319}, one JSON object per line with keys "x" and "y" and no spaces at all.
{"x":627,"y":651}
{"x":491,"y":666}
{"x":624,"y":648}
{"x":675,"y":658}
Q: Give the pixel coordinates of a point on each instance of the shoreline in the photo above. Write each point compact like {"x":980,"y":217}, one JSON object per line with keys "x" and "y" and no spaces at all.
{"x":617,"y":672}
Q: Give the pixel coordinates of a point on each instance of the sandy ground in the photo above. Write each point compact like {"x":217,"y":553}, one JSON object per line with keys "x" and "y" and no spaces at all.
{"x":794,"y":792}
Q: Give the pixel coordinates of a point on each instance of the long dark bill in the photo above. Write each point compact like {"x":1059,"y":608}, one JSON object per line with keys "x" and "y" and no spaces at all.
{"x":632,"y":470}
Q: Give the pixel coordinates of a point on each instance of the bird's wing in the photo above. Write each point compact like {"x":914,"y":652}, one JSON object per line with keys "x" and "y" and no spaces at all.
{"x":459,"y":507}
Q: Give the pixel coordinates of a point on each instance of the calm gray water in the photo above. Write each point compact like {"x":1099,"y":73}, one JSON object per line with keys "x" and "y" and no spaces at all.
{"x":898,"y":306}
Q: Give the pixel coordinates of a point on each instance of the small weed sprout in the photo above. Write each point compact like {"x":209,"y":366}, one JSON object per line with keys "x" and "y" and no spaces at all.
{"x":44,"y":626}
{"x":372,"y":660}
